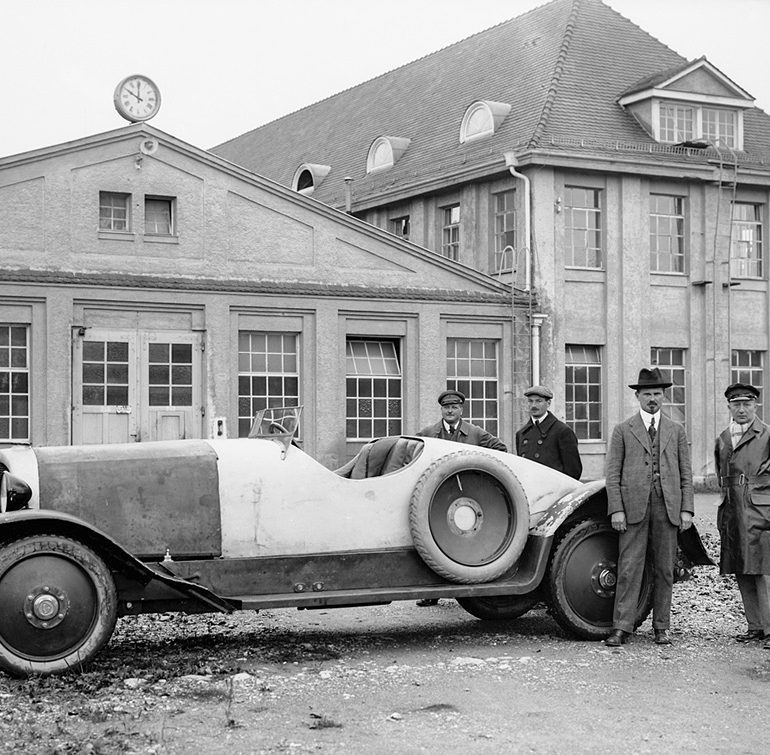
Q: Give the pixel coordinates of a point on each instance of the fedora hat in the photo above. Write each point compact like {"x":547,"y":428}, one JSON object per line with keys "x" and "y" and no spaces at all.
{"x":651,"y":378}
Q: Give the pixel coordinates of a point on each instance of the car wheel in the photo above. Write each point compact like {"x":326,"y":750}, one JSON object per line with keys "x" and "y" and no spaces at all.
{"x":581,"y":580}
{"x":469,"y":517}
{"x":500,"y":607}
{"x":59,"y":605}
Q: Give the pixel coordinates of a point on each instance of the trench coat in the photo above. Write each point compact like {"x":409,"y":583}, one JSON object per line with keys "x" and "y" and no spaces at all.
{"x":552,"y":443}
{"x":629,"y":469}
{"x":467,"y":432}
{"x":743,"y":518}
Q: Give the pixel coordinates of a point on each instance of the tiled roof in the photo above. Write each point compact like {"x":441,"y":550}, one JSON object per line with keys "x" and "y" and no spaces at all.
{"x":284,"y":288}
{"x":561,"y":67}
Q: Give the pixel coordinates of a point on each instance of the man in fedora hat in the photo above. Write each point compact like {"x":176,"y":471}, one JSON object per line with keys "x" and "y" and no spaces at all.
{"x":649,"y":498}
{"x":742,"y":456}
{"x":544,"y":438}
{"x":452,"y":427}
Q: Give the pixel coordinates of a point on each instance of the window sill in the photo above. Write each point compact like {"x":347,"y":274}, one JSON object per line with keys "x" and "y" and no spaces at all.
{"x":670,"y":279}
{"x":152,"y":239}
{"x":117,"y":235}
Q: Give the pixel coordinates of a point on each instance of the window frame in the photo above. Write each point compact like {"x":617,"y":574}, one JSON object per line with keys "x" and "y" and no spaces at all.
{"x":570,"y":210}
{"x":450,"y":231}
{"x":404,"y":221}
{"x":747,"y":373}
{"x":502,"y":215}
{"x":674,"y":371}
{"x":15,"y":374}
{"x":170,"y":202}
{"x":482,"y":391}
{"x":700,"y":117}
{"x":680,"y":216}
{"x":593,"y":405}
{"x":126,"y":200}
{"x":748,"y":261}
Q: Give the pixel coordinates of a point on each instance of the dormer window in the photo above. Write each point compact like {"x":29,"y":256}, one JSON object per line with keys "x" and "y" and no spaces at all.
{"x":482,"y":119}
{"x":308,"y":177}
{"x":679,"y":122}
{"x":385,"y":152}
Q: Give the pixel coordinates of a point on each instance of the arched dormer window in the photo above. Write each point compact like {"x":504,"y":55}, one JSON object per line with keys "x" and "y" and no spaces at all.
{"x":308,"y":176}
{"x":482,"y":119}
{"x":385,"y":152}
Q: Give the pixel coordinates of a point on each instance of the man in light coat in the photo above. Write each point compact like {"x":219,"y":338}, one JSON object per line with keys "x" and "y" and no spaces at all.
{"x":742,"y":456}
{"x":649,"y":498}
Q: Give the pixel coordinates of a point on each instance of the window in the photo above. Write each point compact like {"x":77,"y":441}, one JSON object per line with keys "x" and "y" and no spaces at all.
{"x":583,"y":391}
{"x":14,"y":383}
{"x":683,"y":123}
{"x":450,"y":231}
{"x":471,"y":367}
{"x":746,"y":243}
{"x":105,"y":373}
{"x":666,"y":234}
{"x":671,"y":363}
{"x":505,"y":230}
{"x":268,"y":374}
{"x":170,"y":376}
{"x":113,"y":211}
{"x":385,"y":152}
{"x":747,"y":368}
{"x":159,"y":216}
{"x":372,"y":389}
{"x":582,"y":227}
{"x":482,"y":119}
{"x":308,"y":177}
{"x":400,"y":227}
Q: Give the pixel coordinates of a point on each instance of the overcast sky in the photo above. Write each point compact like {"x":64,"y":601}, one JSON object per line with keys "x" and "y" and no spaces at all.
{"x":227,"y":66}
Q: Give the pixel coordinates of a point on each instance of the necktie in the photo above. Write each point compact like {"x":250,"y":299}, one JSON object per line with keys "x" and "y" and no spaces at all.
{"x":651,"y":430}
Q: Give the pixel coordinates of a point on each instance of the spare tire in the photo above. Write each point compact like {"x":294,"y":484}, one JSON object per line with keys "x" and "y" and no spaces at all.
{"x":469,"y":517}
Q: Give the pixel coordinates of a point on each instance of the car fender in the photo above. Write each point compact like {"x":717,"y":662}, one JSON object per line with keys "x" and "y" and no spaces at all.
{"x":18,"y":524}
{"x":559,"y":512}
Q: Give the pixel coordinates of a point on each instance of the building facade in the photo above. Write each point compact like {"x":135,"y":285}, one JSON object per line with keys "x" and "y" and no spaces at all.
{"x":620,"y":187}
{"x":152,"y":290}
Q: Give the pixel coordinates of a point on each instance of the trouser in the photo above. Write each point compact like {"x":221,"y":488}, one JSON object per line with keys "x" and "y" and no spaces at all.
{"x":755,"y":593}
{"x":657,"y":533}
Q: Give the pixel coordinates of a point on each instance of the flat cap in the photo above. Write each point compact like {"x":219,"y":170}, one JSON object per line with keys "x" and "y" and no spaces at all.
{"x":451,"y":397}
{"x":539,"y":390}
{"x":738,"y":391}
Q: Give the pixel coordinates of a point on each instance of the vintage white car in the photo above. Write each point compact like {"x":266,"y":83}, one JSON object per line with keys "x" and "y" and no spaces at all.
{"x":91,"y":533}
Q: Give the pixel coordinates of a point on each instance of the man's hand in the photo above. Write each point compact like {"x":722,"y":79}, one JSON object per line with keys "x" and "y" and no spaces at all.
{"x":618,"y":520}
{"x":686,"y":518}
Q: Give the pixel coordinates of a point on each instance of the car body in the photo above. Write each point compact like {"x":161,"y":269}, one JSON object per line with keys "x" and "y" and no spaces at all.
{"x":90,"y":533}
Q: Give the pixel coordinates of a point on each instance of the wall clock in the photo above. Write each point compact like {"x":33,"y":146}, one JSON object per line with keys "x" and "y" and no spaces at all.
{"x":137,"y":98}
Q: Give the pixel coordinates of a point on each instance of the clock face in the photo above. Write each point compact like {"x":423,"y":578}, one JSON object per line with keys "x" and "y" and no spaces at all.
{"x":137,"y":98}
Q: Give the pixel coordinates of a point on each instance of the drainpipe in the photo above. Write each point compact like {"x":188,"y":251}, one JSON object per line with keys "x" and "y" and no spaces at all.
{"x":348,"y":194}
{"x":536,"y":324}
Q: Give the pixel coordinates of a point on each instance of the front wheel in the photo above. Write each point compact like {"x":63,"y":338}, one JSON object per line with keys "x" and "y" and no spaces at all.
{"x":500,"y":607}
{"x":59,"y":605}
{"x":581,"y":580}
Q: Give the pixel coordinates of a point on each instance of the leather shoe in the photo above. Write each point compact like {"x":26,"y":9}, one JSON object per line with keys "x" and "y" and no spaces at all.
{"x":661,"y":637}
{"x":752,"y":634}
{"x":617,"y":638}
{"x":425,"y":602}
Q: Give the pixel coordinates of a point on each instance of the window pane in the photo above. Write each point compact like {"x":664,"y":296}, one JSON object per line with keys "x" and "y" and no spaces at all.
{"x":583,"y":406}
{"x":472,"y":369}
{"x":671,"y":364}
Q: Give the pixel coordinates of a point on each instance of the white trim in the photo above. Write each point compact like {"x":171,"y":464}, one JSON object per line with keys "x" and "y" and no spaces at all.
{"x":497,"y":112}
{"x":318,"y":173}
{"x":397,"y":145}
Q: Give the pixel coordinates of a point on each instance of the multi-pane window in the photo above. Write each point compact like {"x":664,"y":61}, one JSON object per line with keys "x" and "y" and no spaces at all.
{"x":582,"y":227}
{"x":450,"y":231}
{"x":583,"y":391}
{"x":472,"y":368}
{"x":667,"y":251}
{"x":505,"y":230}
{"x":671,"y":363}
{"x":105,"y":373}
{"x":159,"y":216}
{"x":113,"y":211}
{"x":268,"y":374}
{"x":746,"y":246}
{"x":14,"y":383}
{"x":400,"y":227}
{"x":372,"y":389}
{"x":719,"y":126}
{"x":170,"y":374}
{"x":677,"y":123}
{"x":748,"y":368}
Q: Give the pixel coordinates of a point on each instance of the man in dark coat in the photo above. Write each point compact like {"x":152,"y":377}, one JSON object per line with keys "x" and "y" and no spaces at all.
{"x":545,"y":439}
{"x":742,"y":456}
{"x":649,"y":497}
{"x":452,"y":427}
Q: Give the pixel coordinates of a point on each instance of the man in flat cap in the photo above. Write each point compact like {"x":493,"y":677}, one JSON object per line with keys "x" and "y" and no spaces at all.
{"x":545,"y":439}
{"x":742,"y":456}
{"x":452,"y":427}
{"x":649,"y":498}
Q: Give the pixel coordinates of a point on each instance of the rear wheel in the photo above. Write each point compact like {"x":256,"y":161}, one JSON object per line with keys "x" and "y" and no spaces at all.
{"x":469,"y":517}
{"x":500,"y":607}
{"x":59,"y":605}
{"x":581,"y":580}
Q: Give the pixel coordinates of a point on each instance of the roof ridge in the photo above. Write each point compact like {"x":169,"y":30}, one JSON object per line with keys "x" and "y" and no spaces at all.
{"x":384,"y":73}
{"x":556,"y":77}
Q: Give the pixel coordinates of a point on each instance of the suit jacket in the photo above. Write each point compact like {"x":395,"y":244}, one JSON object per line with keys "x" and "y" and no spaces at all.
{"x":551,"y":443}
{"x":465,"y":433}
{"x":629,"y":469}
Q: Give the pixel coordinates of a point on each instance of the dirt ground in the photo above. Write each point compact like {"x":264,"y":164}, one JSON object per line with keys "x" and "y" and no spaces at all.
{"x":404,"y":679}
